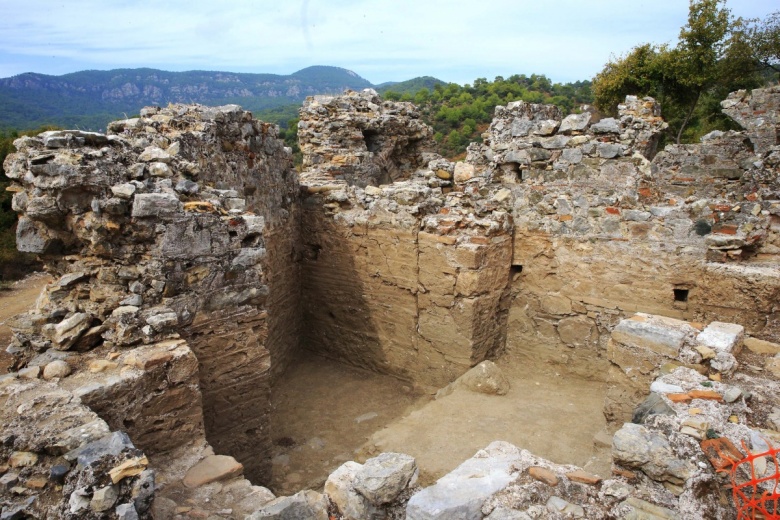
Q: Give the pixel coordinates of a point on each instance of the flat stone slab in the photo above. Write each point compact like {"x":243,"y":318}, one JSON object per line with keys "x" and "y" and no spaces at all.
{"x":664,"y":336}
{"x":211,"y":469}
{"x":722,"y":337}
{"x":461,"y":493}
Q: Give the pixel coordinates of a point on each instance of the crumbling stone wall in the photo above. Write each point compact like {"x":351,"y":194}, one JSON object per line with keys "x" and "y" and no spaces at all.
{"x":361,"y":139}
{"x":602,"y":231}
{"x":190,"y":266}
{"x":167,"y":227}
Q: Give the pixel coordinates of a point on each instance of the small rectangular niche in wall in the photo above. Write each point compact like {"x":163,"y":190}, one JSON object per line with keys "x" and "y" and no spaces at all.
{"x":516,"y":269}
{"x":681,"y":295}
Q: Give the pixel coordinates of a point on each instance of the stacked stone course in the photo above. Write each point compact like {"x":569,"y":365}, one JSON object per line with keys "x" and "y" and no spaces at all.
{"x":191,"y":265}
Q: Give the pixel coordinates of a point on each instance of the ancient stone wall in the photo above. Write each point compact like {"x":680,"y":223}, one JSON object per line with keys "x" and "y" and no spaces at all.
{"x":361,"y":139}
{"x":173,"y":224}
{"x":602,"y":232}
{"x":190,"y":266}
{"x":404,"y":279}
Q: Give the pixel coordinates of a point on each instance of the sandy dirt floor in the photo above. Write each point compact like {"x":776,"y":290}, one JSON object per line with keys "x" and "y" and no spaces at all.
{"x":324,"y":415}
{"x":323,"y":411}
{"x":16,"y":299}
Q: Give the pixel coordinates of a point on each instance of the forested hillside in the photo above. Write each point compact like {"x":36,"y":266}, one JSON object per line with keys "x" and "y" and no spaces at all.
{"x":90,"y":99}
{"x":459,"y":114}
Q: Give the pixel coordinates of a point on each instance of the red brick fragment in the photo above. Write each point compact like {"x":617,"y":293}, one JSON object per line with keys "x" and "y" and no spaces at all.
{"x":613,"y":210}
{"x":583,"y":477}
{"x":710,"y":395}
{"x":721,"y":452}
{"x":543,"y":475}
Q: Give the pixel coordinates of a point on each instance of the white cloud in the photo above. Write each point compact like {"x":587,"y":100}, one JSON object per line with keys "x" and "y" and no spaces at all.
{"x":380,"y":39}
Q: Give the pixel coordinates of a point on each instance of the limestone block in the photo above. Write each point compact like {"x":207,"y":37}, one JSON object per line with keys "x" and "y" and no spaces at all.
{"x":608,"y":125}
{"x":383,"y":478}
{"x":635,"y":446}
{"x":463,"y":172}
{"x":652,"y":334}
{"x":155,"y":154}
{"x":722,"y":337}
{"x":762,"y":347}
{"x":304,"y":505}
{"x":485,"y":378}
{"x":574,"y":122}
{"x":462,"y":492}
{"x":212,"y":469}
{"x":555,"y":304}
{"x":577,"y":331}
{"x":155,"y":205}
{"x":30,"y":238}
{"x":773,"y":366}
{"x":68,"y":330}
{"x":340,"y":489}
{"x":56,"y":369}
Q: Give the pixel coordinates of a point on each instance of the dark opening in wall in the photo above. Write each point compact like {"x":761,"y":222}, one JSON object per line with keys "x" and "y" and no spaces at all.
{"x":371,"y":138}
{"x":681,"y":295}
{"x":516,"y":269}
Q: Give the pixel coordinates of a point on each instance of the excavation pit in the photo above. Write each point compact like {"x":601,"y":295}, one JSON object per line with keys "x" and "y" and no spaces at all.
{"x":325,"y":413}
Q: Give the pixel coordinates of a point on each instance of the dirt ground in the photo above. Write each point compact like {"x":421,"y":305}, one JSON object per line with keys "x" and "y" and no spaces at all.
{"x":323,"y":412}
{"x":16,"y":299}
{"x":318,"y":403}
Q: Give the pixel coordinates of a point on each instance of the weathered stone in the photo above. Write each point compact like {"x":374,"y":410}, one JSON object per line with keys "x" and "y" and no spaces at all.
{"x":104,"y":499}
{"x":574,"y":123}
{"x":110,"y":445}
{"x":124,"y":191}
{"x":653,"y":405}
{"x":608,"y":125}
{"x":155,"y":205}
{"x":126,"y":512}
{"x":652,"y":335}
{"x":722,"y":337}
{"x":304,"y":505}
{"x":21,"y":459}
{"x":462,"y":492}
{"x":761,"y":347}
{"x":154,"y":154}
{"x":383,"y":478}
{"x":463,"y":172}
{"x":70,"y":329}
{"x":560,"y":506}
{"x":635,"y":446}
{"x":773,"y":366}
{"x":341,"y":491}
{"x":211,"y":469}
{"x":504,"y":513}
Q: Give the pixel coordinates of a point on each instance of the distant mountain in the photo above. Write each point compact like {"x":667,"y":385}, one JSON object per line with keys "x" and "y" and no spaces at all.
{"x":410,"y":86}
{"x":90,"y":99}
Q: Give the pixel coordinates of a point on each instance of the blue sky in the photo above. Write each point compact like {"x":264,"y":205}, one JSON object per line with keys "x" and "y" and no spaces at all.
{"x":382,"y":40}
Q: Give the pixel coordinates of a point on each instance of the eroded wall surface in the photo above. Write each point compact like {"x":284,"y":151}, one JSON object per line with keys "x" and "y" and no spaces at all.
{"x":190,"y":266}
{"x":605,"y":226}
{"x":170,"y":226}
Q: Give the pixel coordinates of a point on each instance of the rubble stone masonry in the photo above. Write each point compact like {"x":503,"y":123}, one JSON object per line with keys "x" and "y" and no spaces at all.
{"x":192,"y":264}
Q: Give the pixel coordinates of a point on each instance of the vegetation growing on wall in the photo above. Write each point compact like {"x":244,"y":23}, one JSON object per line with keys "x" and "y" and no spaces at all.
{"x":714,"y":55}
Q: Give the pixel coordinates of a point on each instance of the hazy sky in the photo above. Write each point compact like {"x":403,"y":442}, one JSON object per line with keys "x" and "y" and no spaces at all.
{"x":382,"y":40}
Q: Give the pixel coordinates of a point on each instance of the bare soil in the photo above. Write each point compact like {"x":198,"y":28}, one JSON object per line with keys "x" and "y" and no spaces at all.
{"x":16,"y":299}
{"x":323,"y":417}
{"x":323,"y":412}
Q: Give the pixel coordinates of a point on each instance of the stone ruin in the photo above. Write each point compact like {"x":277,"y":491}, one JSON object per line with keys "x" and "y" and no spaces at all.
{"x":192,"y":264}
